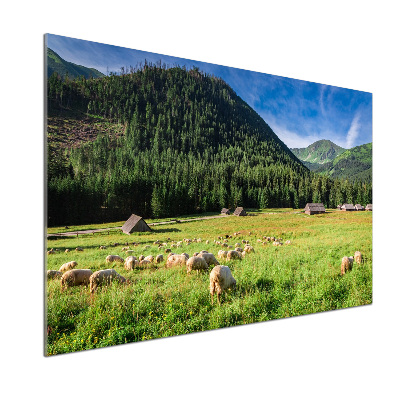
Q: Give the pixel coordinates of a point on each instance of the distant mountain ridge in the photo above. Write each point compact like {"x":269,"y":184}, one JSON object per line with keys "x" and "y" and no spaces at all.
{"x":319,"y":152}
{"x":57,"y":64}
{"x":326,"y":158}
{"x":353,"y":164}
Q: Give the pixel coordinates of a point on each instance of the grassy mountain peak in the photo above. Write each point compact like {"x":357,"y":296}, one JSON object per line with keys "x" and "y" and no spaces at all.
{"x":57,"y":64}
{"x":319,"y":152}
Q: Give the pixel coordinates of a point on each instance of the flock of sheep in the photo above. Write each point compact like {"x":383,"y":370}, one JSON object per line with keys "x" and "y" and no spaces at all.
{"x":221,"y":277}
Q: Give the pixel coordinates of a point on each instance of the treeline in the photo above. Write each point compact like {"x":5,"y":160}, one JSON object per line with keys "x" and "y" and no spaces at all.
{"x":190,"y":145}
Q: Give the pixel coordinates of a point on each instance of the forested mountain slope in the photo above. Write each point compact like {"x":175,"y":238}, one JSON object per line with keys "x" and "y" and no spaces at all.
{"x":189,"y":144}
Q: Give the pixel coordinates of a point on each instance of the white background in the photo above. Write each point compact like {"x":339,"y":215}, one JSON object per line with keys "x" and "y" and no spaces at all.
{"x":348,"y":354}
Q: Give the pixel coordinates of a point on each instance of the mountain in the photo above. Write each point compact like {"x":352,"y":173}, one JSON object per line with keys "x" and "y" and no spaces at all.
{"x":161,"y":142}
{"x":354,"y":164}
{"x":320,"y":152}
{"x":56,"y":64}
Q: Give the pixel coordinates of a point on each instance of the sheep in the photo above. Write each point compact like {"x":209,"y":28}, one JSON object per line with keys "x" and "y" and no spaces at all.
{"x":130,"y":263}
{"x":104,"y":277}
{"x":196,"y":263}
{"x":239,"y":249}
{"x":149,"y":258}
{"x":276,"y":243}
{"x":170,"y":255}
{"x":79,"y":249}
{"x":167,"y":250}
{"x":222,"y":254}
{"x":141,"y":257}
{"x":347,"y":264}
{"x":221,"y":279}
{"x":53,"y":274}
{"x":125,"y":248}
{"x":67,"y":251}
{"x":185,"y":254}
{"x":210,"y":258}
{"x":144,"y":262}
{"x":358,"y":257}
{"x":243,"y":253}
{"x":207,"y":241}
{"x":67,"y":266}
{"x":288,"y":242}
{"x":103,"y":247}
{"x":248,"y":249}
{"x":75,"y":277}
{"x":114,"y":258}
{"x":51,"y":251}
{"x":129,"y":252}
{"x":159,"y":258}
{"x":233,"y":255}
{"x":176,"y":259}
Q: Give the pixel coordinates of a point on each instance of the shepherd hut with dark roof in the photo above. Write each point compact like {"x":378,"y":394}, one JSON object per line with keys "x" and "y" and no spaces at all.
{"x":225,"y":211}
{"x":135,"y":224}
{"x":368,"y":207}
{"x":240,"y":212}
{"x":359,"y":207}
{"x":314,"y":208}
{"x":348,"y":207}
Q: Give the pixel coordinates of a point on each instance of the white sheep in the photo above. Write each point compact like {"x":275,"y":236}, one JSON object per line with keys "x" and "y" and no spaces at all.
{"x":210,"y":258}
{"x":104,"y":277}
{"x":75,"y":277}
{"x":67,"y":251}
{"x":149,"y":258}
{"x":114,"y":258}
{"x":233,"y":255}
{"x":176,"y":259}
{"x":79,"y":249}
{"x":222,"y":254}
{"x":196,"y":264}
{"x":347,"y":264}
{"x":185,"y":254}
{"x":276,"y":243}
{"x":239,"y":249}
{"x":288,"y":242}
{"x":53,"y":274}
{"x":102,"y":247}
{"x":68,"y":266}
{"x":221,"y":279}
{"x":130,"y":263}
{"x":159,"y":258}
{"x":248,"y":249}
{"x":358,"y":257}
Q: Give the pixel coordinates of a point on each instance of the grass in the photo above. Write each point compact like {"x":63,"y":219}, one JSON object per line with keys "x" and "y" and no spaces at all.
{"x":273,"y":282}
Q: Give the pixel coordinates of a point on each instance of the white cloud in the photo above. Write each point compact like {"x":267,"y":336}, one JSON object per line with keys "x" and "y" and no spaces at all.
{"x":353,"y":132}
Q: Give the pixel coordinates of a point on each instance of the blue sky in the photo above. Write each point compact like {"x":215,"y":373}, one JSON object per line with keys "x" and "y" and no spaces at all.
{"x":299,"y":112}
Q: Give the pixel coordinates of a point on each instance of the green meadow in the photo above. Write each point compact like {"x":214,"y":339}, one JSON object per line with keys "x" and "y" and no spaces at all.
{"x":273,"y":282}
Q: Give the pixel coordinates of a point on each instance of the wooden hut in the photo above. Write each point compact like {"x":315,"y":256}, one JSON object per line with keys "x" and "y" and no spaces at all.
{"x":368,"y":207}
{"x":240,"y":212}
{"x":359,"y":207}
{"x":314,"y":208}
{"x":135,"y":224}
{"x":225,"y":211}
{"x":348,"y":207}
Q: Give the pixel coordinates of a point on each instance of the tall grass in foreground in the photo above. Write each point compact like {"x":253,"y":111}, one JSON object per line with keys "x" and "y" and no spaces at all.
{"x":273,"y":282}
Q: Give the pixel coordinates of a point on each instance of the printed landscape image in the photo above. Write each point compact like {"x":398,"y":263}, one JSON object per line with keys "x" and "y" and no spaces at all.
{"x":184,"y":196}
